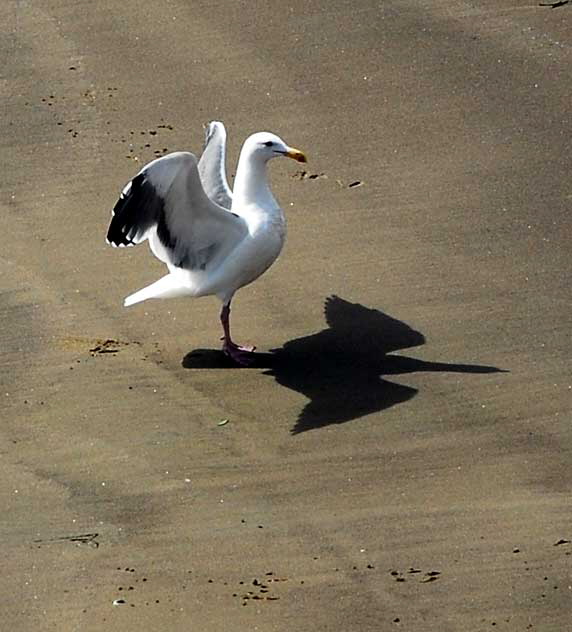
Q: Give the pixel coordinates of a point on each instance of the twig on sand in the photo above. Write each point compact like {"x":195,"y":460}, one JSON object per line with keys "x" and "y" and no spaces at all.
{"x":554,"y":5}
{"x":84,"y":538}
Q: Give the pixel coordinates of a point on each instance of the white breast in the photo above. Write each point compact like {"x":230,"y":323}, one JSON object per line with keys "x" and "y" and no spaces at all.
{"x":251,"y":258}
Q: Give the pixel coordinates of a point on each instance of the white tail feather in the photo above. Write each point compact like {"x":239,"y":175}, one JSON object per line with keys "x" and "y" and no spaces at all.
{"x":166,"y":287}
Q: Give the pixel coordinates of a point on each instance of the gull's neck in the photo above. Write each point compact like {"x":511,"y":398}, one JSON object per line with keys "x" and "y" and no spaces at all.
{"x":251,"y":190}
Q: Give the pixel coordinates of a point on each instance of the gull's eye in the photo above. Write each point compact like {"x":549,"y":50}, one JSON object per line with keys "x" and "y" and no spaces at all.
{"x":268,"y":143}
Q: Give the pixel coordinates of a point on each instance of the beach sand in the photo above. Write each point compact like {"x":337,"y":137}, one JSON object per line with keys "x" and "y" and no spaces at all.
{"x":399,"y":456}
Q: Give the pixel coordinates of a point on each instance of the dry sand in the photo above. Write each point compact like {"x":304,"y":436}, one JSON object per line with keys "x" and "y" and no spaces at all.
{"x":399,"y":458}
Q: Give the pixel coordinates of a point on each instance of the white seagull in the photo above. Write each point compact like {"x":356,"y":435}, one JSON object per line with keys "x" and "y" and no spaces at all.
{"x":182,"y":207}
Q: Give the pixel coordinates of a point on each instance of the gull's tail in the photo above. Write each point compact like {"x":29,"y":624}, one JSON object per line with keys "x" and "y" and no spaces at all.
{"x":166,"y":287}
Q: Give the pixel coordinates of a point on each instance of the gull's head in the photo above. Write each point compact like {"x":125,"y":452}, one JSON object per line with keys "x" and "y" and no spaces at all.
{"x":264,"y":146}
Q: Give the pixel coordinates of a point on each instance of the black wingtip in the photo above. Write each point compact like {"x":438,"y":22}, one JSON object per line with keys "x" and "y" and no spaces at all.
{"x":117,"y":235}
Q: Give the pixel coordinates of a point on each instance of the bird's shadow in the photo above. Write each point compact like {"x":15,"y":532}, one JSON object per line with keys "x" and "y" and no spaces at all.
{"x":340,"y":368}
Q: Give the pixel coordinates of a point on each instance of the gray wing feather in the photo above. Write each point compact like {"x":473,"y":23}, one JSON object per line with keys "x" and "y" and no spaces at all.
{"x":167,"y":199}
{"x":212,"y":168}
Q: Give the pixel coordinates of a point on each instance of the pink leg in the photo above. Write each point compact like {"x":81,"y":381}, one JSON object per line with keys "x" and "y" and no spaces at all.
{"x":241,"y":355}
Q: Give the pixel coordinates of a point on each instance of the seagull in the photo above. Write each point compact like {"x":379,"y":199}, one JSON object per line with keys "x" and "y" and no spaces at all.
{"x":213,"y":241}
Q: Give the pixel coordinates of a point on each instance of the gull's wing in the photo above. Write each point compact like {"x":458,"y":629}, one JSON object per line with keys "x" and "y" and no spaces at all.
{"x":166,"y":201}
{"x":212,"y":165}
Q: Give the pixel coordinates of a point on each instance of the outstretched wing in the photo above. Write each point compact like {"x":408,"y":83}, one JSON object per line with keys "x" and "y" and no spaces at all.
{"x":166,"y":201}
{"x":212,"y":165}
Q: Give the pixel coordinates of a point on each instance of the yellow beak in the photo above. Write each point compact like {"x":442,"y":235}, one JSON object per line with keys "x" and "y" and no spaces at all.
{"x":296,"y":154}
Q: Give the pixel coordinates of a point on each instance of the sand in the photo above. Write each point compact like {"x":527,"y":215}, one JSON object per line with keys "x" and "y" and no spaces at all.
{"x":399,"y":456}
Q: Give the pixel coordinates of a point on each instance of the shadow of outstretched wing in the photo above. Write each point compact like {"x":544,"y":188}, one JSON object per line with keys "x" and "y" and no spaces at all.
{"x":340,"y":368}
